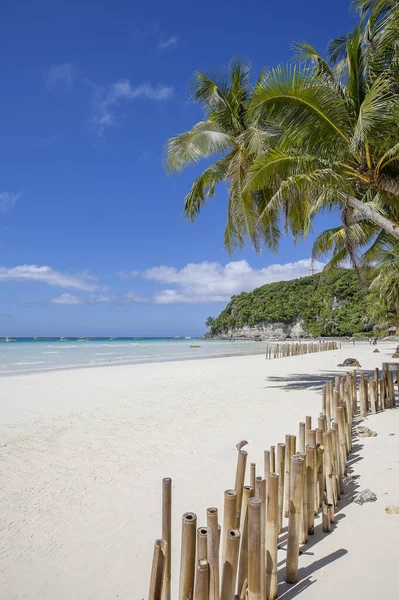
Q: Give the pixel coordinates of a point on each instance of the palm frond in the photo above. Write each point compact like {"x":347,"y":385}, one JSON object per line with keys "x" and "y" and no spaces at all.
{"x":203,"y":187}
{"x":203,"y":140}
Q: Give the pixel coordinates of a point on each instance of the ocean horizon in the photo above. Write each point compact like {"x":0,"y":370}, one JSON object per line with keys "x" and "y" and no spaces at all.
{"x":36,"y":354}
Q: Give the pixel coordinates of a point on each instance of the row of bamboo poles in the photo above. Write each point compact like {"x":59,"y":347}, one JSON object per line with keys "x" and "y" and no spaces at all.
{"x":300,"y":478}
{"x":297,"y":348}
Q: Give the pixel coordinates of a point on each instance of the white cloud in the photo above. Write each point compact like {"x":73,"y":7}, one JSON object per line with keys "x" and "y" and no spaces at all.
{"x":127,"y":274}
{"x":45,"y":274}
{"x":66,"y":299}
{"x":212,"y":282}
{"x":106,"y":100}
{"x":8,"y":200}
{"x":94,"y":298}
{"x":60,"y":74}
{"x":170,"y":42}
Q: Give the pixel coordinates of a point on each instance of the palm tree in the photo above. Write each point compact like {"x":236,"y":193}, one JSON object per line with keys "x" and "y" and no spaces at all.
{"x":340,"y":140}
{"x":230,"y":133}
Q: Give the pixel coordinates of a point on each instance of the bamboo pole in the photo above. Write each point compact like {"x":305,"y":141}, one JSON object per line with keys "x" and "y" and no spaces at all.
{"x":324,"y":399}
{"x":313,"y":444}
{"x":310,"y":451}
{"x":254,"y":549}
{"x":213,"y":553}
{"x":280,"y":470}
{"x":397,"y":382}
{"x":243,"y":559}
{"x":201,"y":589}
{"x":329,"y":474}
{"x":301,"y":437}
{"x":272,"y":459}
{"x":158,"y":570}
{"x":338,"y":461}
{"x":229,"y":517}
{"x":342,"y":439}
{"x":272,"y":536}
{"x":187,"y":560}
{"x":297,"y":467}
{"x":263,"y":508}
{"x":326,"y":515}
{"x":167,"y":533}
{"x":266,"y":463}
{"x":229,"y":573}
{"x":320,"y":475}
{"x":239,"y":484}
{"x":202,"y":553}
{"x":287,"y":476}
{"x":258,"y":481}
{"x":308,"y":427}
{"x":376,"y":381}
{"x":252,"y":476}
{"x":319,"y":436}
{"x":303,"y":530}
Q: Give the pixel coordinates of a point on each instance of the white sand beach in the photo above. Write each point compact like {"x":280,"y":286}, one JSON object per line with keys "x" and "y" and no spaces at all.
{"x":83,"y":453}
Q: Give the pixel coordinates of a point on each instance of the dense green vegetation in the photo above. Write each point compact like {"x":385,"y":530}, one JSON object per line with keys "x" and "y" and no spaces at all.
{"x":331,"y":304}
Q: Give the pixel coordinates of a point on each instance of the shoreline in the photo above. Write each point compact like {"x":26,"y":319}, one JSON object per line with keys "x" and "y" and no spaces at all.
{"x":84,"y":452}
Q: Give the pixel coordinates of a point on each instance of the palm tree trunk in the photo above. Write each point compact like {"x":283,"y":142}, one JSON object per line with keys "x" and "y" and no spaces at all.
{"x":373,"y":215}
{"x":388,"y":184}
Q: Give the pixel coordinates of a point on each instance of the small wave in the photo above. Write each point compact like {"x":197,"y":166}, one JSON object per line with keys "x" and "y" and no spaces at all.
{"x":40,"y":362}
{"x":104,"y":354}
{"x":50,"y":352}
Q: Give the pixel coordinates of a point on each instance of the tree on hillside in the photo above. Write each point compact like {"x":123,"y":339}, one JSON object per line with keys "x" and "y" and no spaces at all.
{"x":209,"y":322}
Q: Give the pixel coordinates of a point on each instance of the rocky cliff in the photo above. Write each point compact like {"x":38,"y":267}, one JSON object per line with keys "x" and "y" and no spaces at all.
{"x":325,"y":304}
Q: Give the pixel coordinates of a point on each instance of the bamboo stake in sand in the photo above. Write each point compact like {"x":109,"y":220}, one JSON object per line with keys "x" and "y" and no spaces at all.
{"x":202,"y":552}
{"x":243,"y":560}
{"x":157,"y":570}
{"x":252,"y":475}
{"x":280,"y":470}
{"x":338,"y":462}
{"x":167,"y":533}
{"x":201,"y":589}
{"x":312,"y":442}
{"x":272,"y":536}
{"x":301,"y":438}
{"x":272,"y":459}
{"x":239,"y":485}
{"x":213,"y":553}
{"x":326,"y":516}
{"x":287,"y":476}
{"x":297,"y":467}
{"x":308,"y":427}
{"x":329,"y":474}
{"x":303,"y":530}
{"x":229,"y":517}
{"x":310,"y":451}
{"x":229,"y":573}
{"x":254,"y":549}
{"x":342,"y":439}
{"x":262,"y":497}
{"x":187,"y":561}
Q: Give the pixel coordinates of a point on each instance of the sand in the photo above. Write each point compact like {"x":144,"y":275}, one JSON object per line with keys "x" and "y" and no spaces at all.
{"x":83,"y":453}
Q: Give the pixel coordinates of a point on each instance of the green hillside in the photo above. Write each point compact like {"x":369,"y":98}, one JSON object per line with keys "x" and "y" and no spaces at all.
{"x":327,"y":304}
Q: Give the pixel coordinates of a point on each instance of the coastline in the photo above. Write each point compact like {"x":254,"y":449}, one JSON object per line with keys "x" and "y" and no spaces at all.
{"x":84,"y":451}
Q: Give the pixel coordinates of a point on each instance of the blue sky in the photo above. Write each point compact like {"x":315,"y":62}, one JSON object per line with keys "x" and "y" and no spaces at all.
{"x":92,"y":241}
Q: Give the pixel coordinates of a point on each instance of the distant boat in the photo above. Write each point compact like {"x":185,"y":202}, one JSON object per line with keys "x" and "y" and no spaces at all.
{"x":83,"y":340}
{"x":111,"y":339}
{"x":62,"y":339}
{"x":177,"y":337}
{"x":8,"y":340}
{"x":188,"y":338}
{"x":137,"y":338}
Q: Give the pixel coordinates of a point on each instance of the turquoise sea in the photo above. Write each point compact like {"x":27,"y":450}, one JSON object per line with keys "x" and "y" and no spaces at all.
{"x":27,"y":355}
